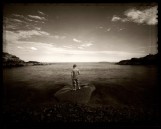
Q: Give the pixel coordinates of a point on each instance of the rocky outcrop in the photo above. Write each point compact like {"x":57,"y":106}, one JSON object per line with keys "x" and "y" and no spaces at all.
{"x":34,"y":63}
{"x":12,"y":61}
{"x":66,"y":94}
{"x":147,"y":60}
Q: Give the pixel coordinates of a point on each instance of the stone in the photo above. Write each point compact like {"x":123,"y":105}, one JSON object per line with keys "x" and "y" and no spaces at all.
{"x":79,"y":96}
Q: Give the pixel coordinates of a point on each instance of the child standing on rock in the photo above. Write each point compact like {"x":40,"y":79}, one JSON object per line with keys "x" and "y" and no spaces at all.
{"x":74,"y":75}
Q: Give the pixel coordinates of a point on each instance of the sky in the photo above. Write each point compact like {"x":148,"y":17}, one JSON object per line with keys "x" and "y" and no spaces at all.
{"x":80,"y":32}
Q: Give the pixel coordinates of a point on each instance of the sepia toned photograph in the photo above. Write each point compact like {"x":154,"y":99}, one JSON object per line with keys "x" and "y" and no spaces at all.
{"x":80,"y":63}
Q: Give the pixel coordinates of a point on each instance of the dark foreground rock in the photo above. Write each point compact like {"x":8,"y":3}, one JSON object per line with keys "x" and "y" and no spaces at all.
{"x":147,"y":60}
{"x":69,"y":112}
{"x":79,"y":96}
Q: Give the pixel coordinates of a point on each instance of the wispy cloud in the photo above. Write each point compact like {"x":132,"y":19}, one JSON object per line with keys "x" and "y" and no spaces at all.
{"x":115,"y":18}
{"x":20,"y":22}
{"x":33,"y":48}
{"x":19,"y":47}
{"x":37,"y":17}
{"x":13,"y":20}
{"x":87,"y":45}
{"x":107,"y":30}
{"x":13,"y":27}
{"x":121,"y":29}
{"x":23,"y":17}
{"x":27,"y":19}
{"x":16,"y":20}
{"x":68,"y":47}
{"x":28,"y":34}
{"x":15,"y":36}
{"x":146,"y":16}
{"x":17,"y":15}
{"x":100,"y":27}
{"x":76,"y":40}
{"x":40,"y":12}
{"x":58,"y":36}
{"x":82,"y":46}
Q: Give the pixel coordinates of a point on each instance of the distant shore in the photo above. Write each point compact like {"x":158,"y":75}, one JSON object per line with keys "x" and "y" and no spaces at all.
{"x":147,"y":60}
{"x":13,"y":61}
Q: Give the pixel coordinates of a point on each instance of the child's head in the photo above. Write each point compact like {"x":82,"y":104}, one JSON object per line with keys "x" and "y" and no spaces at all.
{"x":74,"y":65}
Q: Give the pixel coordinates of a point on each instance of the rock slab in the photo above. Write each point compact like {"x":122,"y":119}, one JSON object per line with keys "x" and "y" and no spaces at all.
{"x":79,"y":96}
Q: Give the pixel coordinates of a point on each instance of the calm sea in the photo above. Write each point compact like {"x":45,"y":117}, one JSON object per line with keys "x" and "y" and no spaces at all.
{"x":47,"y":75}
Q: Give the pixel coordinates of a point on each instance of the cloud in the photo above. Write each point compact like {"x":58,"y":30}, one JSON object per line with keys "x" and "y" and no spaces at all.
{"x":37,"y":17}
{"x":100,"y":27}
{"x":49,"y":53}
{"x":17,"y":20}
{"x":17,"y":15}
{"x":82,"y":46}
{"x":68,"y":47}
{"x":19,"y":47}
{"x":87,"y":45}
{"x":11,"y":36}
{"x":9,"y":27}
{"x":121,"y":29}
{"x":146,"y":16}
{"x":27,"y":19}
{"x":33,"y":48}
{"x":12,"y":20}
{"x":37,"y":28}
{"x":76,"y":40}
{"x":58,"y":37}
{"x":19,"y":24}
{"x":109,"y":29}
{"x":115,"y":18}
{"x":22,"y":17}
{"x":41,"y":13}
{"x":30,"y":33}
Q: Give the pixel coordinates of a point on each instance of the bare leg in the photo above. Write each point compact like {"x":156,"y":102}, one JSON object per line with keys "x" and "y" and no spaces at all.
{"x":77,"y":83}
{"x":74,"y":84}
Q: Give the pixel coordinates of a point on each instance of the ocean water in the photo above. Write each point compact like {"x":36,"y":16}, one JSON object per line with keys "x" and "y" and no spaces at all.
{"x":123,"y":81}
{"x":42,"y":76}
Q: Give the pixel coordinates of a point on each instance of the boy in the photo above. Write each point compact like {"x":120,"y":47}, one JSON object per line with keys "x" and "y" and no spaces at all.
{"x":74,"y":75}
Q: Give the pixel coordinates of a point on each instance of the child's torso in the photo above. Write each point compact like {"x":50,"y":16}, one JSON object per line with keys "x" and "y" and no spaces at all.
{"x":75,"y":73}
